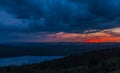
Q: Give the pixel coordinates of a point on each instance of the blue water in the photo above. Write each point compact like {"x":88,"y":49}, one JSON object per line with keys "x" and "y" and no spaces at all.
{"x":26,"y":60}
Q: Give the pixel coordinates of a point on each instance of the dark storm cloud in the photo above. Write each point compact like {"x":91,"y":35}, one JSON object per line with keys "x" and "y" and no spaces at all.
{"x":22,"y":37}
{"x":63,"y":15}
{"x":21,"y":8}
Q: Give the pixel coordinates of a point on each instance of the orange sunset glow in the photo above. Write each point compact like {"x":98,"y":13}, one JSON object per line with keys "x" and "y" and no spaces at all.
{"x":108,"y":35}
{"x":114,"y":39}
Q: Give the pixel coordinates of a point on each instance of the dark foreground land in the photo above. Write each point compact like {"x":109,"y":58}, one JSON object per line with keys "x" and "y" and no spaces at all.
{"x":101,"y":61}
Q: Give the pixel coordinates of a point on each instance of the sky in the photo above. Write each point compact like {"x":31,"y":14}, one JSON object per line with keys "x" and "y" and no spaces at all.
{"x":59,"y":20}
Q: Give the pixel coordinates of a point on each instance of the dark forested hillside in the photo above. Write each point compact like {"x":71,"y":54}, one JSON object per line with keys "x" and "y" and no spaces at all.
{"x":101,"y":61}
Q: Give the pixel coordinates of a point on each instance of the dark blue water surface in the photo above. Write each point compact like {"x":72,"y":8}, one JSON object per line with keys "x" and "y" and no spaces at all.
{"x":26,"y":60}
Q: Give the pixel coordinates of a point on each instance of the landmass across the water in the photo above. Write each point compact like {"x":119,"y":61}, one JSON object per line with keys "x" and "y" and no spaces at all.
{"x":50,"y":49}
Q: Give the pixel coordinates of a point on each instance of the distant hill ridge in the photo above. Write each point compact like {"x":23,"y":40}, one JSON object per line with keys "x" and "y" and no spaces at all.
{"x":50,"y":49}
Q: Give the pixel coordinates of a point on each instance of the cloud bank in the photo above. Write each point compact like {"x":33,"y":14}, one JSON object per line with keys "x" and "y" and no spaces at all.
{"x":55,"y":16}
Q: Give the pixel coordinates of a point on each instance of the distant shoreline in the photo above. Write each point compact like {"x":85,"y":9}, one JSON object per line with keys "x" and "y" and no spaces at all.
{"x":18,"y":61}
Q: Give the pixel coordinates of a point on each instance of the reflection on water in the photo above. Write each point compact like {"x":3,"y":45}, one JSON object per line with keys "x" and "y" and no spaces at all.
{"x":26,"y":60}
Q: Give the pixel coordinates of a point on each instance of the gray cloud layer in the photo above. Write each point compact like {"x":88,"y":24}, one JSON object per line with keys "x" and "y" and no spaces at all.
{"x":60,"y":15}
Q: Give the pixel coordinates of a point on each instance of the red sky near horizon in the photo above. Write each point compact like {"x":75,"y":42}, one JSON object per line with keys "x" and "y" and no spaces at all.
{"x":103,"y":40}
{"x":108,"y":35}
